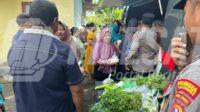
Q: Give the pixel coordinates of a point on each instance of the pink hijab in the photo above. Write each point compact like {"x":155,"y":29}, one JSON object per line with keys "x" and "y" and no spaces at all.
{"x":103,"y":51}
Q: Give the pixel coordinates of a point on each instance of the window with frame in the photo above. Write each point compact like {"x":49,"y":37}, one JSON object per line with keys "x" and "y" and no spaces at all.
{"x":26,"y":7}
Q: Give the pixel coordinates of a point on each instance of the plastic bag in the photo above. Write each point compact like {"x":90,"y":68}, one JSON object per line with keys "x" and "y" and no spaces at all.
{"x":114,"y":59}
{"x":108,"y":80}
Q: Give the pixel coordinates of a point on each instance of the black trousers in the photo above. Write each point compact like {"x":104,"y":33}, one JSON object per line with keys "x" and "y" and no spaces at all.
{"x":98,"y":75}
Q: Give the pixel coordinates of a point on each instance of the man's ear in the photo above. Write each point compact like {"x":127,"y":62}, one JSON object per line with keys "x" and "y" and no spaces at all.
{"x":55,"y":21}
{"x":54,"y":25}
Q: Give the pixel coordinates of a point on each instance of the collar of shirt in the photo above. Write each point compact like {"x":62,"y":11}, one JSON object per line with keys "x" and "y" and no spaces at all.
{"x":145,"y":28}
{"x":40,"y":31}
{"x":196,"y":53}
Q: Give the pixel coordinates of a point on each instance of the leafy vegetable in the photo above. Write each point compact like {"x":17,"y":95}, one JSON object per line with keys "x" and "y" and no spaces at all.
{"x":140,"y":80}
{"x":98,"y":107}
{"x":104,"y":86}
{"x":150,"y":105}
{"x":117,"y":100}
{"x":141,"y":98}
{"x":157,"y":82}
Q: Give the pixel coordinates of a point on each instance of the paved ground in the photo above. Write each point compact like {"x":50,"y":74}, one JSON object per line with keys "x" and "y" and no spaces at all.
{"x":88,"y":93}
{"x":9,"y":96}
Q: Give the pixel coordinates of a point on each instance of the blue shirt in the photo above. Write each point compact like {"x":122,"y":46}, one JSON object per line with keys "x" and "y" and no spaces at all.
{"x":43,"y":69}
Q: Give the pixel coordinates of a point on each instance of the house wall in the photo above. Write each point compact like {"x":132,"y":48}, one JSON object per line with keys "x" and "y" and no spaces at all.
{"x":78,"y":12}
{"x":9,"y":9}
{"x":66,"y":11}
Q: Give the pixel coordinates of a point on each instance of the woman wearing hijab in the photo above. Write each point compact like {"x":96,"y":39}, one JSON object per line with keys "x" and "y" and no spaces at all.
{"x":103,"y":53}
{"x":115,"y":32}
{"x":88,"y":66}
{"x":64,"y":34}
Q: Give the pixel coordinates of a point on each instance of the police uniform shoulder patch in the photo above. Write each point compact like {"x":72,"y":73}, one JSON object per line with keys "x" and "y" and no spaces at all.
{"x":188,"y":87}
{"x":186,"y":101}
{"x":177,"y":108}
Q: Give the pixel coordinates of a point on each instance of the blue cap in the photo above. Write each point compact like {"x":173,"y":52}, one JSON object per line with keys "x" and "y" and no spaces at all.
{"x":180,"y":5}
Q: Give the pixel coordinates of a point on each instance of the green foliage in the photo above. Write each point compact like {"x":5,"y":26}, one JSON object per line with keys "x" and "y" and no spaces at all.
{"x":105,"y":16}
{"x":153,"y":81}
{"x":98,"y":107}
{"x":116,"y":100}
{"x":105,"y":86}
{"x":156,"y":82}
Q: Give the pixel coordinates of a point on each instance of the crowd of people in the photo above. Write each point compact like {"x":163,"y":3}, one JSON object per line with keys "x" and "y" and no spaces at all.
{"x":49,"y":60}
{"x":119,"y":50}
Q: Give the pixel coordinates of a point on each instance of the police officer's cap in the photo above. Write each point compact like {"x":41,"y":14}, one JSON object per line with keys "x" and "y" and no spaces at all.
{"x":148,"y":18}
{"x":180,"y":5}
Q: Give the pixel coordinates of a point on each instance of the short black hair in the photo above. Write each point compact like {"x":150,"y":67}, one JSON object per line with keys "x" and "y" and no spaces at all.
{"x":73,"y":30}
{"x":22,"y":18}
{"x":89,"y":25}
{"x":118,"y":23}
{"x":44,"y":10}
{"x":148,"y":18}
{"x":63,"y":25}
{"x":158,"y":22}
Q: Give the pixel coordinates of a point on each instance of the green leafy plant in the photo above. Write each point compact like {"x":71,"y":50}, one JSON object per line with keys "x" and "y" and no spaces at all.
{"x":117,"y":100}
{"x":156,"y":82}
{"x":105,"y":86}
{"x":104,"y":15}
{"x":98,"y":107}
{"x":153,"y":81}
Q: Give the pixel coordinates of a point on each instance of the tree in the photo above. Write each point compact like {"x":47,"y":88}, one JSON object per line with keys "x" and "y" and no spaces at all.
{"x":104,"y":15}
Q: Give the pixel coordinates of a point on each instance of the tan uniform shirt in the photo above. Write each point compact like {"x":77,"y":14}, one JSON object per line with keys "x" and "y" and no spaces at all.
{"x":185,"y":91}
{"x":144,"y":49}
